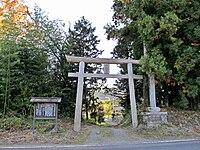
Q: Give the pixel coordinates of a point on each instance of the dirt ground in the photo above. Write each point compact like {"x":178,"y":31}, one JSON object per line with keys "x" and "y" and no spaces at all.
{"x":182,"y":125}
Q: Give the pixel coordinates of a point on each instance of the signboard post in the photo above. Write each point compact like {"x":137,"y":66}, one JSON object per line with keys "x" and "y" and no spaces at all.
{"x":45,"y":108}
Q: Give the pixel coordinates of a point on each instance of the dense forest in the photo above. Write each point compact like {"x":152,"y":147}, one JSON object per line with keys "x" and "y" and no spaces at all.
{"x":33,"y":49}
{"x":33,"y":63}
{"x":169,"y":31}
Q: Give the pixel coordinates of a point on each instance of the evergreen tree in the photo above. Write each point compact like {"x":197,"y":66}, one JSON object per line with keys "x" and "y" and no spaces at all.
{"x":55,"y":43}
{"x":170,"y":32}
{"x":22,"y":64}
{"x":33,"y":62}
{"x":85,"y":43}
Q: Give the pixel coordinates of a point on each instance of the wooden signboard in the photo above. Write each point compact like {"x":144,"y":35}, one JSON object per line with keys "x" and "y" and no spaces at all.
{"x":45,"y":108}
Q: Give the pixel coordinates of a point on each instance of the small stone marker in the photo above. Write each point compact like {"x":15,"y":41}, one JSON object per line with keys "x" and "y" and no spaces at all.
{"x":156,"y":118}
{"x":45,"y":108}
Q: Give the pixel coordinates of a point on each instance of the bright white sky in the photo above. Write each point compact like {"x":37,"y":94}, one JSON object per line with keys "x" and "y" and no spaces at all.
{"x":96,"y":11}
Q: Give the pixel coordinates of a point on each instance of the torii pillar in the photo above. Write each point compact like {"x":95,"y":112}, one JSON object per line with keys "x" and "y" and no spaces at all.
{"x":81,"y":75}
{"x":79,"y":97}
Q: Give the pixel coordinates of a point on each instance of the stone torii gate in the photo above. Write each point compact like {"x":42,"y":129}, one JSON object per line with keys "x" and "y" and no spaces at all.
{"x":130,"y":76}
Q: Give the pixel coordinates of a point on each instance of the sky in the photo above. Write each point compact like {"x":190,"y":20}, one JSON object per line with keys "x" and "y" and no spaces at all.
{"x":98,"y":12}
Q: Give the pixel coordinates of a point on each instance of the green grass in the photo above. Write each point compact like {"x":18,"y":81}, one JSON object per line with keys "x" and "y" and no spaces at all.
{"x":15,"y":123}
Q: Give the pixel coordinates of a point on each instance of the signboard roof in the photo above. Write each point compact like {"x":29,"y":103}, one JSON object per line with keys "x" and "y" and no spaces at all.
{"x":46,"y":99}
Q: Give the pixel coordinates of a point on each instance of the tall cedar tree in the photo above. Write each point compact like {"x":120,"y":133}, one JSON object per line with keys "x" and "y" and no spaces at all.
{"x":85,"y":43}
{"x":170,"y":32}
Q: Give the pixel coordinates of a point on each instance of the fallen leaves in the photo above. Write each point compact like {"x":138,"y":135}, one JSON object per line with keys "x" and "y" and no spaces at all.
{"x":182,"y":125}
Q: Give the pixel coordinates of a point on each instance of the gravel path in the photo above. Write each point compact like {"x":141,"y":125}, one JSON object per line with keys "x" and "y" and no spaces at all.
{"x":94,"y":136}
{"x":110,"y":135}
{"x":119,"y":136}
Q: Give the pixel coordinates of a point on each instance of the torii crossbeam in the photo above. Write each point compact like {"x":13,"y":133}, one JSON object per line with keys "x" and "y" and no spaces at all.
{"x":130,"y":76}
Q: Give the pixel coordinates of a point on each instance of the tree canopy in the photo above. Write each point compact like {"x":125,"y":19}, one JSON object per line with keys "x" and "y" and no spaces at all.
{"x":33,"y":49}
{"x":32,"y":57}
{"x":170,"y":32}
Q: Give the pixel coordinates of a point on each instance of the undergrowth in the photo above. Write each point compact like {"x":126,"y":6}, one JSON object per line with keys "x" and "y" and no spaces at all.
{"x":15,"y":123}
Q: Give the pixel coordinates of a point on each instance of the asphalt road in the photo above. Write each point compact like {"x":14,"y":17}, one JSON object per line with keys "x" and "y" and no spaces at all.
{"x":180,"y":145}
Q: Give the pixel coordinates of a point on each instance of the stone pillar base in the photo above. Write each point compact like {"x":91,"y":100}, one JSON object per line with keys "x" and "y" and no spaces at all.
{"x":153,"y":109}
{"x":154,"y":118}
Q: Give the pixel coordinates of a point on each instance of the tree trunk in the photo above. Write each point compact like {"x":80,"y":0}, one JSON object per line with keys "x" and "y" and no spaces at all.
{"x":145,"y":90}
{"x":86,"y":109}
{"x":86,"y":101}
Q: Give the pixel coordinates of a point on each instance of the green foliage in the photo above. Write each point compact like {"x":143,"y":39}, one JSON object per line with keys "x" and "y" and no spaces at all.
{"x":127,"y":121}
{"x":84,"y":43}
{"x":170,"y":32}
{"x":183,"y":102}
{"x":24,"y":70}
{"x":83,"y":39}
{"x":154,"y":64}
{"x":34,"y":63}
{"x":15,"y":123}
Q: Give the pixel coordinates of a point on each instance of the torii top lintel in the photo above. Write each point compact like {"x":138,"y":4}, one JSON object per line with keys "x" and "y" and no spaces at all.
{"x":101,"y":60}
